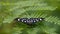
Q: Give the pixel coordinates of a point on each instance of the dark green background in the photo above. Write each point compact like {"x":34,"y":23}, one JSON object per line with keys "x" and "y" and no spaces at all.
{"x":48,"y":9}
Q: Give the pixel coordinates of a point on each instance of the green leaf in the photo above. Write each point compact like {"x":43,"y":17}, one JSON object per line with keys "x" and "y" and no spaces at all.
{"x":11,"y":9}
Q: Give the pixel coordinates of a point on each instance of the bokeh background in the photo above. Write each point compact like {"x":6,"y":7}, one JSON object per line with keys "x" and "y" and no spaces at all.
{"x":48,"y":9}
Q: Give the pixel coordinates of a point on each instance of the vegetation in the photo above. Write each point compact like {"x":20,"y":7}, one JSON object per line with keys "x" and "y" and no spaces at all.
{"x":48,"y":9}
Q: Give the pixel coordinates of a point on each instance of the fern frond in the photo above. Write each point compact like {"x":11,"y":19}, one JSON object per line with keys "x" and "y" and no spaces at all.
{"x":11,"y":9}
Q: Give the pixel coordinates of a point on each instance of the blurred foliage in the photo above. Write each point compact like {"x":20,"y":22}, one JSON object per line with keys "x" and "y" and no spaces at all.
{"x":48,"y":9}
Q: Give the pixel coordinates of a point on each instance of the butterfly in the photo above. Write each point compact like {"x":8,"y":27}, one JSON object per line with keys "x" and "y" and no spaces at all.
{"x":29,"y":20}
